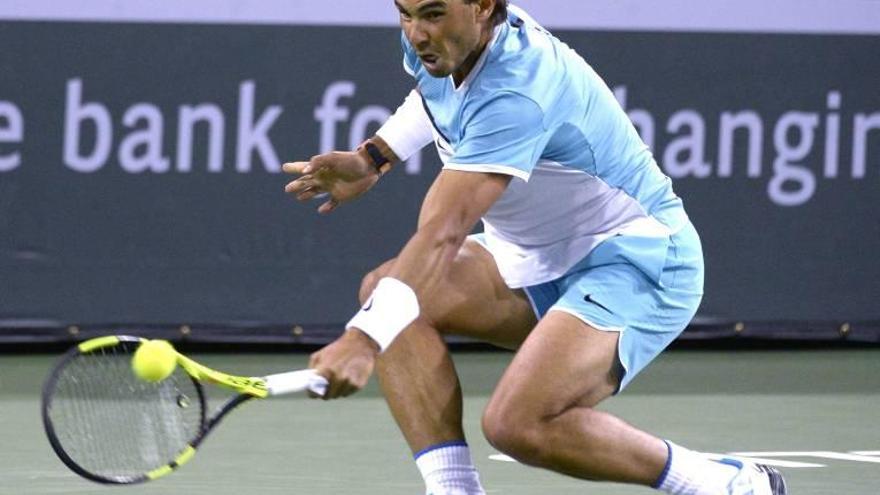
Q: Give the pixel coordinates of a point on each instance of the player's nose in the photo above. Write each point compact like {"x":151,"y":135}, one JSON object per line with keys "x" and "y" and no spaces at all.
{"x":418,"y":36}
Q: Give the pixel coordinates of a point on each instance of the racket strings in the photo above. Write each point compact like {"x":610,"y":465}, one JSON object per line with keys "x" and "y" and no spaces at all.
{"x":115,"y":425}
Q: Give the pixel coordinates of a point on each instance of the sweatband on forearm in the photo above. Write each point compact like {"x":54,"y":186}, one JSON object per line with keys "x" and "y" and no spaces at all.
{"x":390,"y":308}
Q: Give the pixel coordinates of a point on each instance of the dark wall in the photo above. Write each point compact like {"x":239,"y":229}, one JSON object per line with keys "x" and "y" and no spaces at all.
{"x":109,"y":215}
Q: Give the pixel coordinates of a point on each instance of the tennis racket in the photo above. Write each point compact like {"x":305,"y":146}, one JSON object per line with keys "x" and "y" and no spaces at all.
{"x":109,"y":426}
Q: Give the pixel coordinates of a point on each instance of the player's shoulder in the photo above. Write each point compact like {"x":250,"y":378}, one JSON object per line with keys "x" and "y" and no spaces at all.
{"x":525,"y":59}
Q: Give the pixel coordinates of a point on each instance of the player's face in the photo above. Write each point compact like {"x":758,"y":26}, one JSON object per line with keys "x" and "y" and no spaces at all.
{"x":448,"y":35}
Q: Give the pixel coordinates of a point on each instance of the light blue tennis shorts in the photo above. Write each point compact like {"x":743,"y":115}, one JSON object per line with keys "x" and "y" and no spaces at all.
{"x":627,"y":285}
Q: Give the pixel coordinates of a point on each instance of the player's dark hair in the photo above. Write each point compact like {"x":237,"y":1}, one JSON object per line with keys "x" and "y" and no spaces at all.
{"x":499,"y":15}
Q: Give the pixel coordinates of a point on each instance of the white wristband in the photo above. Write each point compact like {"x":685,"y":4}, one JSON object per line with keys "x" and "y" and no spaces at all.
{"x":391,"y":307}
{"x":409,"y":129}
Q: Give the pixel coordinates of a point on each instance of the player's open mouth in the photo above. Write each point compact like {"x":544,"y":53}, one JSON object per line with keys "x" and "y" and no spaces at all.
{"x":428,"y":59}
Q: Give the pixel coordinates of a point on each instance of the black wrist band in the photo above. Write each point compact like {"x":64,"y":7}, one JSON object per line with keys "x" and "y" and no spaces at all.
{"x":378,"y":159}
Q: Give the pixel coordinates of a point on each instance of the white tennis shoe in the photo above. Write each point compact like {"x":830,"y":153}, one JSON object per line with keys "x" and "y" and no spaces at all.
{"x":755,"y":479}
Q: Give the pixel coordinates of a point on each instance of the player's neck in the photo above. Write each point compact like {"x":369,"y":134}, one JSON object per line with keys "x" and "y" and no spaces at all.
{"x":460,"y":74}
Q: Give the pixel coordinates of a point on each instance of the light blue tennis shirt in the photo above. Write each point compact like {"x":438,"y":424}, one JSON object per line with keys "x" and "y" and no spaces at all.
{"x":533,"y":108}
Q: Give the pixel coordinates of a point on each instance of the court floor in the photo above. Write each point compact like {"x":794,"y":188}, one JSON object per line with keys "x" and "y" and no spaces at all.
{"x":814,"y":413}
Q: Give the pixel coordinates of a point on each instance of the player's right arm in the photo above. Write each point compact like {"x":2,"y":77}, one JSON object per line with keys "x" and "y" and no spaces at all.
{"x":346,"y":175}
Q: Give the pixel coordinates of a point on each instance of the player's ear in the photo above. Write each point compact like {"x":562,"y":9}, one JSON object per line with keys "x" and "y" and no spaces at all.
{"x":484,"y":9}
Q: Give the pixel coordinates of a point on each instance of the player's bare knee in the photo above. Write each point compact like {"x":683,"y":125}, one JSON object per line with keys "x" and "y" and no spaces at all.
{"x":515,"y":434}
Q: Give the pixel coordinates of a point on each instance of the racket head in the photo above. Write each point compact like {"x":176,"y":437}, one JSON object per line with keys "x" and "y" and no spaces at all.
{"x":111,"y":427}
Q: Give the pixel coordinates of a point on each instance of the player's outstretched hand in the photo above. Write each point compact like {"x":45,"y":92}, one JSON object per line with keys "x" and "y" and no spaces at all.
{"x":347,"y":363}
{"x":344,"y":175}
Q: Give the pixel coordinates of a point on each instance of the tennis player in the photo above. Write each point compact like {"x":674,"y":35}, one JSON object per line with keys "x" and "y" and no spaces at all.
{"x":588,"y":264}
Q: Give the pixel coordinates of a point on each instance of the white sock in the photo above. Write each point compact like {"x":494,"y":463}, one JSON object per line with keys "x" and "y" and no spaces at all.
{"x":448,"y":470}
{"x":691,"y":473}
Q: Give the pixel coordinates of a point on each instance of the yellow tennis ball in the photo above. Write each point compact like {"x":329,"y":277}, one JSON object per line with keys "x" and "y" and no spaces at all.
{"x":154,"y":360}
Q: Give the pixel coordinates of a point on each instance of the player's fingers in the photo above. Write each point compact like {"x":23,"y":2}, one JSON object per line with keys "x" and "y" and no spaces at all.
{"x":330,"y":393}
{"x":355,"y":382}
{"x":310,"y":193}
{"x":317,"y":163}
{"x":353,"y":388}
{"x":328,"y":206}
{"x":350,"y":388}
{"x":300,"y":184}
{"x":333,"y":381}
{"x":334,"y":389}
{"x":294,"y":167}
{"x":294,"y":187}
{"x":359,"y":383}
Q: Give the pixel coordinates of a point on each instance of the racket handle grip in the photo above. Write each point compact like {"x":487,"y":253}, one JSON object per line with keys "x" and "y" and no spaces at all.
{"x":296,"y":381}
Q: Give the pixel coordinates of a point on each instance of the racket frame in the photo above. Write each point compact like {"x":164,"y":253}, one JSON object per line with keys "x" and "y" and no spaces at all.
{"x":88,"y":347}
{"x":247,"y":388}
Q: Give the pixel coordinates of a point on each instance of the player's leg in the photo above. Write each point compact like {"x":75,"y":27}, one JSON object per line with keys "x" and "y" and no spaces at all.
{"x":542,"y":410}
{"x":542,"y":414}
{"x":611,"y":320}
{"x":424,"y":394}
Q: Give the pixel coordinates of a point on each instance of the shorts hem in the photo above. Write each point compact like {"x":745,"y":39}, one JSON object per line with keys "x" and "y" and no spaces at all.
{"x":623,"y":381}
{"x":532,"y":303}
{"x":604,"y":328}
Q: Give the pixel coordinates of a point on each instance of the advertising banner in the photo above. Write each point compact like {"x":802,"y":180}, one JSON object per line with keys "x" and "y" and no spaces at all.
{"x":140,"y":153}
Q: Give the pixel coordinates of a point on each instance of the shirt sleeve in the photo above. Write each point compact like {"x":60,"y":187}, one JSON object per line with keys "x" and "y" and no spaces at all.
{"x":409,"y":129}
{"x":504,"y":135}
